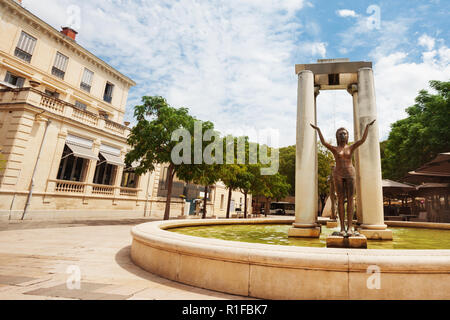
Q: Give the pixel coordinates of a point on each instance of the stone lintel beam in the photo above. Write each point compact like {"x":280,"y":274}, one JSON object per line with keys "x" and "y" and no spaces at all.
{"x":333,"y":68}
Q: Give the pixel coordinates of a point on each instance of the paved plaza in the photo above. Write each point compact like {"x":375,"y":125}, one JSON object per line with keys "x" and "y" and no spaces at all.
{"x":37,"y":259}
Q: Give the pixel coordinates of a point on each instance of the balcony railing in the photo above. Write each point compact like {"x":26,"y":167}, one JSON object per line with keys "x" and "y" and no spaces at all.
{"x":69,"y":186}
{"x":131,"y":192}
{"x":85,"y":87}
{"x":55,"y":105}
{"x":85,"y":116}
{"x":59,"y":73}
{"x":107,"y":98}
{"x":102,"y":189}
{"x":22,"y":55}
{"x":80,"y":188}
{"x":114,"y":126}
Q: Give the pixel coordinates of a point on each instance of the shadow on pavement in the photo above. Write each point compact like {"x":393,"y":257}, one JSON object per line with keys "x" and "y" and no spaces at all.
{"x":123,"y":259}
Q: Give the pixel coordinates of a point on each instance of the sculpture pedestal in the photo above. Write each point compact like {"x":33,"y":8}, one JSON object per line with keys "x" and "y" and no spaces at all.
{"x":332,"y":224}
{"x":355,"y":242}
{"x":304,"y":232}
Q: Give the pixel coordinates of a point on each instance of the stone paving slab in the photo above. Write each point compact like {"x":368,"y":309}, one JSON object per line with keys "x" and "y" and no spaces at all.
{"x":86,"y":292}
{"x":14,"y":280}
{"x":34,"y":260}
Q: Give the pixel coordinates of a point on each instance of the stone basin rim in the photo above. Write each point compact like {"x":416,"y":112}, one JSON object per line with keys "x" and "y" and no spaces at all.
{"x":156,"y":235}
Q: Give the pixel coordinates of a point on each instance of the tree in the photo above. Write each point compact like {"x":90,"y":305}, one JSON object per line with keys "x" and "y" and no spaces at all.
{"x":324,"y":161}
{"x":208,"y":172}
{"x":229,"y":176}
{"x":421,"y":136}
{"x":271,"y":187}
{"x":150,"y":139}
{"x":287,"y":166}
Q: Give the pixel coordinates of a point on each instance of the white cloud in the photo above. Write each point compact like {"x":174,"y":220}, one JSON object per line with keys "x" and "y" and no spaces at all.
{"x":313,"y":49}
{"x":427,"y":42}
{"x":346,"y":13}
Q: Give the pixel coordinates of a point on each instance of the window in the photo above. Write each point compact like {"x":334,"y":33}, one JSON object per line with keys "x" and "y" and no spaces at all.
{"x":107,"y":96}
{"x":60,"y":65}
{"x":106,"y":169}
{"x":71,"y":168}
{"x":104,"y":172}
{"x":53,"y":94}
{"x":80,"y":105}
{"x":86,"y":80}
{"x":14,"y":80}
{"x":25,"y":47}
{"x":221,"y":201}
{"x":129,"y":178}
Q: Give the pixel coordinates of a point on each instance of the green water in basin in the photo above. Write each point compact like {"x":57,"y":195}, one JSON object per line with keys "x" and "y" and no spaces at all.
{"x":404,"y":238}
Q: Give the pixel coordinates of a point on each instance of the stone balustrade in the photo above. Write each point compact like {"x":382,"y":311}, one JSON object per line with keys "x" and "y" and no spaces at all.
{"x":63,"y":186}
{"x":131,"y":192}
{"x":102,"y":189}
{"x":40,"y":99}
{"x":76,"y":187}
{"x":85,"y":117}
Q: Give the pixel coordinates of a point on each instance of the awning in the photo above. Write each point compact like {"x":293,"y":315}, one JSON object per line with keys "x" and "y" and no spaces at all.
{"x":112,"y":159}
{"x":82,"y":152}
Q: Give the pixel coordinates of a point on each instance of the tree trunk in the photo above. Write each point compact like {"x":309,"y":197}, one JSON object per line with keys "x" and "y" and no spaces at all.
{"x":230,"y":191}
{"x":267,"y":207}
{"x":169,"y":191}
{"x":323,"y":198}
{"x":245,"y":205}
{"x":204,"y":202}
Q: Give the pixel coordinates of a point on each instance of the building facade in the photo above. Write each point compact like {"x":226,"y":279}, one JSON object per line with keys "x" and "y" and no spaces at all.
{"x":62,"y":135}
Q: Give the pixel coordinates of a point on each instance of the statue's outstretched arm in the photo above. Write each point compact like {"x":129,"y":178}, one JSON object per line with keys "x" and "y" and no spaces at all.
{"x":364,"y":137}
{"x":326,"y":144}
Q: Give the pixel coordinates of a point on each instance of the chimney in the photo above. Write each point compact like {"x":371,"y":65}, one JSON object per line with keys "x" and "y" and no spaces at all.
{"x":69,"y":32}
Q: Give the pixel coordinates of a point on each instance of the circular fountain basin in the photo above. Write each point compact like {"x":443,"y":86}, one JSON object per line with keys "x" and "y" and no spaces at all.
{"x":288,"y":271}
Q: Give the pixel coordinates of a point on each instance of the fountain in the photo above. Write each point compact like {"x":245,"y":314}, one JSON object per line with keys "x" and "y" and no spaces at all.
{"x":288,"y":259}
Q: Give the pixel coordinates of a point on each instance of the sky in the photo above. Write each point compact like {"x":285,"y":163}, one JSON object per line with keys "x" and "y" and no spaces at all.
{"x":232,"y":62}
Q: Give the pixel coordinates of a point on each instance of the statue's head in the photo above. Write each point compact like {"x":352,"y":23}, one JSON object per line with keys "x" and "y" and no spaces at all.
{"x":341,"y":136}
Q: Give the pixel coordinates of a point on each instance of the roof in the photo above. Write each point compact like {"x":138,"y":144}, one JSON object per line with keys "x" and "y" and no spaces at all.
{"x":436,"y":170}
{"x":394,"y":184}
{"x":432,"y":185}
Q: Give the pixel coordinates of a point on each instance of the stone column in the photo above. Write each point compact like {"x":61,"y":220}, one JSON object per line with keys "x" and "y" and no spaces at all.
{"x":89,"y":178}
{"x":305,"y":165}
{"x":371,"y":198}
{"x":353,"y":90}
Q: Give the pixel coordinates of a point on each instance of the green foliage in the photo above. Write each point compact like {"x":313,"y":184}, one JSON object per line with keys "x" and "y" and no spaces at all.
{"x":421,"y":136}
{"x":324,"y":161}
{"x":287,"y":166}
{"x":150,"y":139}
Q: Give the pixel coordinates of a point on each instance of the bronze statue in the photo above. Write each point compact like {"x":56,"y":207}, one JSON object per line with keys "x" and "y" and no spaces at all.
{"x":344,"y":173}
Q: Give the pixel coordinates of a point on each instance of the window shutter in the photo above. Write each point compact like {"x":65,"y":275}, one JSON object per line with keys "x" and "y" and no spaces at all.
{"x":61,"y":61}
{"x":8,"y":77}
{"x":20,"y":82}
{"x":26,"y":43}
{"x":87,"y":77}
